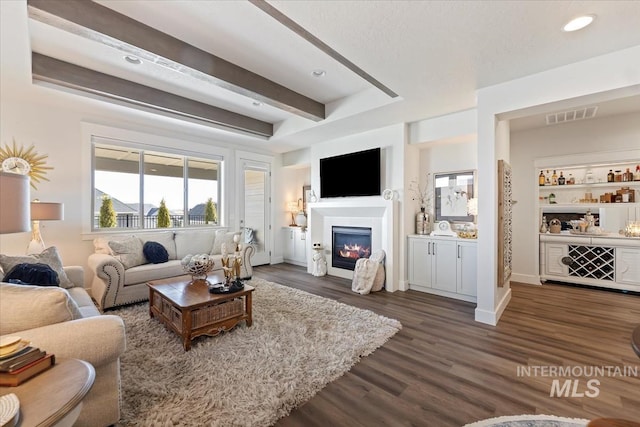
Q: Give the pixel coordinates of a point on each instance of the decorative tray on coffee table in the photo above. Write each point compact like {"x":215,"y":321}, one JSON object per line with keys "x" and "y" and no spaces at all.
{"x":224,"y":288}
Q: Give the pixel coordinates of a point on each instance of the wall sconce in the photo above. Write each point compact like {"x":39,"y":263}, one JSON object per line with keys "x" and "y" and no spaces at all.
{"x":42,"y":211}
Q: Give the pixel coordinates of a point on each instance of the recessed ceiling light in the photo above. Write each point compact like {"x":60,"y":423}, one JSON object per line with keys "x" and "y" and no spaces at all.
{"x":318,"y":73}
{"x":578,"y":23}
{"x":132,"y":60}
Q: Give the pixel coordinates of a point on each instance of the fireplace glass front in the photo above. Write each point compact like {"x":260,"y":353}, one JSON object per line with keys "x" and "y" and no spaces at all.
{"x":349,"y":244}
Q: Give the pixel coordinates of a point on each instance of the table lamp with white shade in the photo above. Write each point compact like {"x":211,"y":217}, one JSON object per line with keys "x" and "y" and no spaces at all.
{"x":292,"y":208}
{"x":42,"y":211}
{"x":14,"y":203}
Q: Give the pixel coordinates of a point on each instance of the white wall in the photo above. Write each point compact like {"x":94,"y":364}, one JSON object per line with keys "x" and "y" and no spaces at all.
{"x":614,"y":133}
{"x":455,"y":127}
{"x":448,"y":157}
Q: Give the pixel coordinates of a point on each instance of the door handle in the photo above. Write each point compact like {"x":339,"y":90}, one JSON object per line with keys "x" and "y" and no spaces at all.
{"x":428,"y":248}
{"x":458,"y":251}
{"x":434,"y":248}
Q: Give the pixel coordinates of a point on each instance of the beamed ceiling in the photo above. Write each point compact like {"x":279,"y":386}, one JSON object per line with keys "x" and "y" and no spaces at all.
{"x":243,"y":69}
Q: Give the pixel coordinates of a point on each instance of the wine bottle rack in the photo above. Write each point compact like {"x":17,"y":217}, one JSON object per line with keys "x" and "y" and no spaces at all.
{"x":594,"y":262}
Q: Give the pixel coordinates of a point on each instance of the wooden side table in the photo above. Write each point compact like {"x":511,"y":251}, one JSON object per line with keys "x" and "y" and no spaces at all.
{"x":54,"y":397}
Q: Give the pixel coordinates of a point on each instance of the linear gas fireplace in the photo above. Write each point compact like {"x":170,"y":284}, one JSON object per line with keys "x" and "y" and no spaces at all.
{"x":349,"y":244}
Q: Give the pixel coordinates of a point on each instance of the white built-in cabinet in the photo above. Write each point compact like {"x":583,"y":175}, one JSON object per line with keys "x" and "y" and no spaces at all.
{"x":611,"y":262}
{"x":295,"y":245}
{"x":628,"y":266}
{"x":444,"y":266}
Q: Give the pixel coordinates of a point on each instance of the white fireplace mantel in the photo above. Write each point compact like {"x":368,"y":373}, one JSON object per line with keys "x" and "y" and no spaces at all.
{"x":374,"y":212}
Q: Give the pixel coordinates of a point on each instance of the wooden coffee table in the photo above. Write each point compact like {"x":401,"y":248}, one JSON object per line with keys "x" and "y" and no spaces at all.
{"x":190,"y":310}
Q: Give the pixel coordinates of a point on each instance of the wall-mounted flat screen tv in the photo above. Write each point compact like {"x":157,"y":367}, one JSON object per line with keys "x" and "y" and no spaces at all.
{"x":351,"y":175}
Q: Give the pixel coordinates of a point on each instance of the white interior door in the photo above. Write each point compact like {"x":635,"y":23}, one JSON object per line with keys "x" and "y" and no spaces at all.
{"x":255,"y":207}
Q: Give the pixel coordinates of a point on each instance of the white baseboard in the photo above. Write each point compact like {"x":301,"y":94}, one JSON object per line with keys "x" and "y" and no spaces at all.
{"x":277,"y":260}
{"x":484,"y":316}
{"x":492,"y":317}
{"x":529,"y":279}
{"x":403,"y":285}
{"x":503,"y":304}
{"x":442,"y":293}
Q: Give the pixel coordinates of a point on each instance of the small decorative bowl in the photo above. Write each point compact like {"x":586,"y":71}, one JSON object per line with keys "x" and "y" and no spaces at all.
{"x":198,"y":266}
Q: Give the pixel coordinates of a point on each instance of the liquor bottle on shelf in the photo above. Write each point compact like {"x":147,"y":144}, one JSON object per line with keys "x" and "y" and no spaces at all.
{"x":541,"y":179}
{"x":561,"y":179}
{"x":627,"y":176}
{"x":571,"y":179}
{"x":547,"y":178}
{"x":554,"y":178}
{"x":636,"y":176}
{"x":610,"y":176}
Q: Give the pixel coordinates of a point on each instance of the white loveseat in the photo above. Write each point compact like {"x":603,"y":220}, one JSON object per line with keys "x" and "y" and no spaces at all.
{"x":65,"y":322}
{"x":121,"y":278}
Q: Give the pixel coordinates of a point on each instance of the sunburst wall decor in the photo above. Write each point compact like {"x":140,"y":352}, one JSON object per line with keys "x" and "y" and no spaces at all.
{"x":27,"y":161}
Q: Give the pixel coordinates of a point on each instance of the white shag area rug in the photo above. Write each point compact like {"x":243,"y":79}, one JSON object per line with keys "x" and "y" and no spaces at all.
{"x":530,"y":421}
{"x":250,"y":376}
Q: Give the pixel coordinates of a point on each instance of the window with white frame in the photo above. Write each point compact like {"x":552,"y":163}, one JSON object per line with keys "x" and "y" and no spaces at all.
{"x":139,"y":188}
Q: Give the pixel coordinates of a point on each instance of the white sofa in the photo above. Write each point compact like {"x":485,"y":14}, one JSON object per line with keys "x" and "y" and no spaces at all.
{"x":115,"y":283}
{"x":65,"y":322}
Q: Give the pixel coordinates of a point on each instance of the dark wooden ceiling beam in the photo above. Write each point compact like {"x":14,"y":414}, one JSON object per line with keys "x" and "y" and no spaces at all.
{"x":302,"y":32}
{"x":104,"y":25}
{"x":51,"y":70}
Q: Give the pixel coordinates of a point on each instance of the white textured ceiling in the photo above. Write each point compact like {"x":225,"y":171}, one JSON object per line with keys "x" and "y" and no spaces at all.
{"x":434,"y":54}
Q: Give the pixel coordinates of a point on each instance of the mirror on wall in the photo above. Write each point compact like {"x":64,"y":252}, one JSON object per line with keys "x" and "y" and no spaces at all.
{"x":452,"y":191}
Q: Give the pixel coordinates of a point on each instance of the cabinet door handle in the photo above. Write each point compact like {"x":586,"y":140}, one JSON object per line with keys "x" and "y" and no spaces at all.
{"x":428,"y":248}
{"x":458,"y":251}
{"x":434,"y":248}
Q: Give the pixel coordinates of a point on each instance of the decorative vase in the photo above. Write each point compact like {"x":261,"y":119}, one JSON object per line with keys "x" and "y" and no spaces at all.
{"x":422,"y":222}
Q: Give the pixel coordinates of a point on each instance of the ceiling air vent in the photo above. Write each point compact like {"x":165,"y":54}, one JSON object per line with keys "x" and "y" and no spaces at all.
{"x":571,"y":115}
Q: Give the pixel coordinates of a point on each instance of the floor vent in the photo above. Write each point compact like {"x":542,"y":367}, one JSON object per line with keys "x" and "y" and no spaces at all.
{"x":571,"y":115}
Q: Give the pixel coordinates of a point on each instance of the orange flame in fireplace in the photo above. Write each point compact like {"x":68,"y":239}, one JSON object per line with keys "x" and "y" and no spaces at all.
{"x":354,"y":251}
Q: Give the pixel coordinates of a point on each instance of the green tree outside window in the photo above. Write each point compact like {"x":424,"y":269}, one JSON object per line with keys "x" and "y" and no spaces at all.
{"x":210,"y":212}
{"x":107,"y":213}
{"x":164,"y":221}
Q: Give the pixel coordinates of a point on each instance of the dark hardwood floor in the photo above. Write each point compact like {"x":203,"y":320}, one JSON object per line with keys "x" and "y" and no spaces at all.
{"x":444,"y":369}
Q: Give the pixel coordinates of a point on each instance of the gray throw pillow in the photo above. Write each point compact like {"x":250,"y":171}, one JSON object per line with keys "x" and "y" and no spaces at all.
{"x":49,"y":256}
{"x":26,"y":307}
{"x":128,"y":251}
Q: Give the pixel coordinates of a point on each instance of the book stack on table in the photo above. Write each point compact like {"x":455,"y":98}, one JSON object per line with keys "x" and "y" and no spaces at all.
{"x":20,"y":361}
